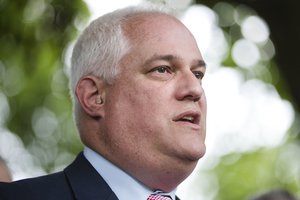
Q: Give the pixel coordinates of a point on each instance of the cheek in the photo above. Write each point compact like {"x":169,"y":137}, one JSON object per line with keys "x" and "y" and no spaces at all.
{"x":139,"y":104}
{"x":143,"y":97}
{"x":132,"y":118}
{"x":129,"y":105}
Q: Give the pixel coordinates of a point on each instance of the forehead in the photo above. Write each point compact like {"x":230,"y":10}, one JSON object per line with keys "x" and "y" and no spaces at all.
{"x":159,"y":34}
{"x":140,"y":26}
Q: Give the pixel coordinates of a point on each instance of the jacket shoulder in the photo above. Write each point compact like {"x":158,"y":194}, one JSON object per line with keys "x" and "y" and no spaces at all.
{"x":49,"y":187}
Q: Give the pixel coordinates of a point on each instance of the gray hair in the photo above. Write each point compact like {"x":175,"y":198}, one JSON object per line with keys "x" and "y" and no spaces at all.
{"x":102,"y":44}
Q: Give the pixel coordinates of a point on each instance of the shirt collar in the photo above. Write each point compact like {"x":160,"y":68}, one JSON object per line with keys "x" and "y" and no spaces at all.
{"x":122,"y":184}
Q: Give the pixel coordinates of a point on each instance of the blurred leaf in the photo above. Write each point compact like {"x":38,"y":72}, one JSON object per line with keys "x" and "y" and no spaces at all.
{"x":33,"y":36}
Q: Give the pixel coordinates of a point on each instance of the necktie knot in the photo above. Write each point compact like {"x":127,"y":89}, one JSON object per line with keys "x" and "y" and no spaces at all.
{"x":159,"y":197}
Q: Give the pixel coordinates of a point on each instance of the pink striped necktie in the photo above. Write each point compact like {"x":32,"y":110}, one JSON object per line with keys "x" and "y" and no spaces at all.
{"x":158,"y":197}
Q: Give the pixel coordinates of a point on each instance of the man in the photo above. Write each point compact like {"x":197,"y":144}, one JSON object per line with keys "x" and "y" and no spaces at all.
{"x":4,"y":172}
{"x":139,"y":107}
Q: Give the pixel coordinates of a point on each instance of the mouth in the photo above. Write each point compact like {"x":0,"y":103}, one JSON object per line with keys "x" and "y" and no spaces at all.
{"x":190,"y":117}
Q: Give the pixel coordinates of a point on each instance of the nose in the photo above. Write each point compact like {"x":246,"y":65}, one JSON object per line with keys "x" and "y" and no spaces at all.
{"x":189,"y":87}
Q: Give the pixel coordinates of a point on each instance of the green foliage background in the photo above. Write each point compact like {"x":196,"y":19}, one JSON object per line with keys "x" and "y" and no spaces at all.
{"x":33,"y":38}
{"x":34,"y":35}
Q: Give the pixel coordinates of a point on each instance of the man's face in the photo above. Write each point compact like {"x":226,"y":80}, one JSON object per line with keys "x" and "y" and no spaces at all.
{"x":155,"y":110}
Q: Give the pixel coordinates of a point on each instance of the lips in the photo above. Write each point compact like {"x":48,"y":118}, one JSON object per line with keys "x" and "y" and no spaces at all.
{"x":191,"y":117}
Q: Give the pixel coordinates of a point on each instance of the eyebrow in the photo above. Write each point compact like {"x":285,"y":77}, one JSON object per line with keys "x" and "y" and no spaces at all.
{"x":170,"y":57}
{"x":201,"y":63}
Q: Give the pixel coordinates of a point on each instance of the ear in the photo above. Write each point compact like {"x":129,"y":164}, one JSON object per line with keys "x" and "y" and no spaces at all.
{"x":90,"y":94}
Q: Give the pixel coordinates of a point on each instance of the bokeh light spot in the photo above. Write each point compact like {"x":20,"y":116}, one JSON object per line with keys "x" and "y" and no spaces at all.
{"x":255,"y":29}
{"x":245,"y":53}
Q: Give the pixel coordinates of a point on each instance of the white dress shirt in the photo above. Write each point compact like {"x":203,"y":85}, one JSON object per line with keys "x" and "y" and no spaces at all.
{"x":122,"y":184}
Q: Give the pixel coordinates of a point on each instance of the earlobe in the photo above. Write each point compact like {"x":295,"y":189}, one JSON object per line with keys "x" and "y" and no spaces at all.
{"x":90,"y":94}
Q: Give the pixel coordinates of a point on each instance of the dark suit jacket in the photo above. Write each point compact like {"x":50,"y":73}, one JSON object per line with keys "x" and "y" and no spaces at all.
{"x":78,"y":181}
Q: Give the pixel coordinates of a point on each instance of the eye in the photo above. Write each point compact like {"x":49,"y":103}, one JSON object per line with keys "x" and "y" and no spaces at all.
{"x":162,"y":73}
{"x":161,"y":69}
{"x":198,"y":74}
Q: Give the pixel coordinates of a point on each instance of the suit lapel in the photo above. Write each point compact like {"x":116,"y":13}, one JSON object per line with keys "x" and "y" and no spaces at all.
{"x":85,"y":181}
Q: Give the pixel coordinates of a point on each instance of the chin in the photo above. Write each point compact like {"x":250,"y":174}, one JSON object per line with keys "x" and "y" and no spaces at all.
{"x":196,"y":153}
